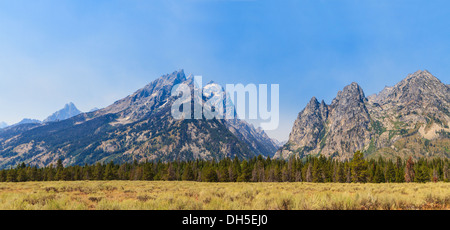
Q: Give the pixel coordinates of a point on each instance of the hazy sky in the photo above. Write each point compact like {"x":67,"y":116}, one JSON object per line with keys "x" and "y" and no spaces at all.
{"x":95,"y":52}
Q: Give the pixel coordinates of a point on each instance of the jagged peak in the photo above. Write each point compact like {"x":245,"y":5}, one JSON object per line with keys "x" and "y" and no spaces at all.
{"x":179,"y":74}
{"x":70,"y":105}
{"x":352,"y":91}
{"x":421,"y":75}
{"x":28,"y":121}
{"x":174,"y":76}
{"x":165,"y":80}
{"x":68,"y":111}
{"x":313,"y":103}
{"x":354,"y":85}
{"x":419,"y":87}
{"x":419,"y":79}
{"x":314,"y":100}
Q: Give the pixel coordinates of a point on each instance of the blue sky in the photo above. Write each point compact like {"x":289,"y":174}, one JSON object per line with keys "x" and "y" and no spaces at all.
{"x":95,"y":52}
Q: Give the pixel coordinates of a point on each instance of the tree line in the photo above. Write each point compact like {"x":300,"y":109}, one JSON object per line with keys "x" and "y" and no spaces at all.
{"x":258,"y":169}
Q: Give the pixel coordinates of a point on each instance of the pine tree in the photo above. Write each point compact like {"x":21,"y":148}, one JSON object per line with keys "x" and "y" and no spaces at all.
{"x":390,"y":172}
{"x":341,"y":173}
{"x":359,"y":168}
{"x":59,"y":170}
{"x":317,"y":172}
{"x":210,"y":175}
{"x":422,"y":174}
{"x":50,"y":173}
{"x":2,"y":175}
{"x":171,"y":172}
{"x":109,"y":171}
{"x":245,"y":172}
{"x":98,"y":172}
{"x":21,"y":175}
{"x":379,"y":175}
{"x":188,"y":174}
{"x":11,"y":176}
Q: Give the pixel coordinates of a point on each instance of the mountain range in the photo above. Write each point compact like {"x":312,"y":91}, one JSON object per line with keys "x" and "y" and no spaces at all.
{"x":69,"y":110}
{"x":409,"y":119}
{"x":138,"y":127}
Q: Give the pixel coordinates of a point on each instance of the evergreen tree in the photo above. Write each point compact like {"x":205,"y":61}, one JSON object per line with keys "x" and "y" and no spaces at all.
{"x":245,"y":172}
{"x":341,"y":173}
{"x":317,"y":173}
{"x":210,"y":175}
{"x":379,"y":175}
{"x":171,"y":175}
{"x":98,"y":171}
{"x":188,"y":174}
{"x":422,"y":174}
{"x":21,"y":175}
{"x":11,"y":176}
{"x":109,"y":171}
{"x":390,"y":172}
{"x":359,"y":168}
{"x":59,"y":170}
{"x":257,"y":169}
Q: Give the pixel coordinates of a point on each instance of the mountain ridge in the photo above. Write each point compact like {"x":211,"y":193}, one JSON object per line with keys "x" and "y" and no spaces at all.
{"x":138,"y":127}
{"x":408,"y":119}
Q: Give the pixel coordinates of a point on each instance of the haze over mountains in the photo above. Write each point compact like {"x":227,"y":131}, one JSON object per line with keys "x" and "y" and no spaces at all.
{"x":138,"y":127}
{"x":409,"y":119}
{"x":69,"y":110}
{"x":28,"y":121}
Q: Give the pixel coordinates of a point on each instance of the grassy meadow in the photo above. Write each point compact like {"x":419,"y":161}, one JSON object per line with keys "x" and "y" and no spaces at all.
{"x":170,"y":195}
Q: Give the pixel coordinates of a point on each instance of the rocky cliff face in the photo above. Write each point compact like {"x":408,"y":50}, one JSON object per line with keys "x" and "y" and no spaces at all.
{"x":409,"y":119}
{"x":255,"y":138}
{"x":139,"y":127}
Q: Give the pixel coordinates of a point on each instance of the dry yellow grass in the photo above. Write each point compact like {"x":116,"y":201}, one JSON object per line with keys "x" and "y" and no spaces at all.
{"x":159,"y":195}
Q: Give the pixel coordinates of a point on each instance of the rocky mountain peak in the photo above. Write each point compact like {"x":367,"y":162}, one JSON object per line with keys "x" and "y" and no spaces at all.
{"x":421,"y":75}
{"x":168,"y":80}
{"x":352,"y":92}
{"x":421,"y":89}
{"x":381,"y":96}
{"x":403,"y":120}
{"x":138,"y":127}
{"x":313,"y":104}
{"x":28,"y":121}
{"x":341,"y":128}
{"x":422,"y":80}
{"x":146,"y":100}
{"x":315,"y":108}
{"x":69,"y":110}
